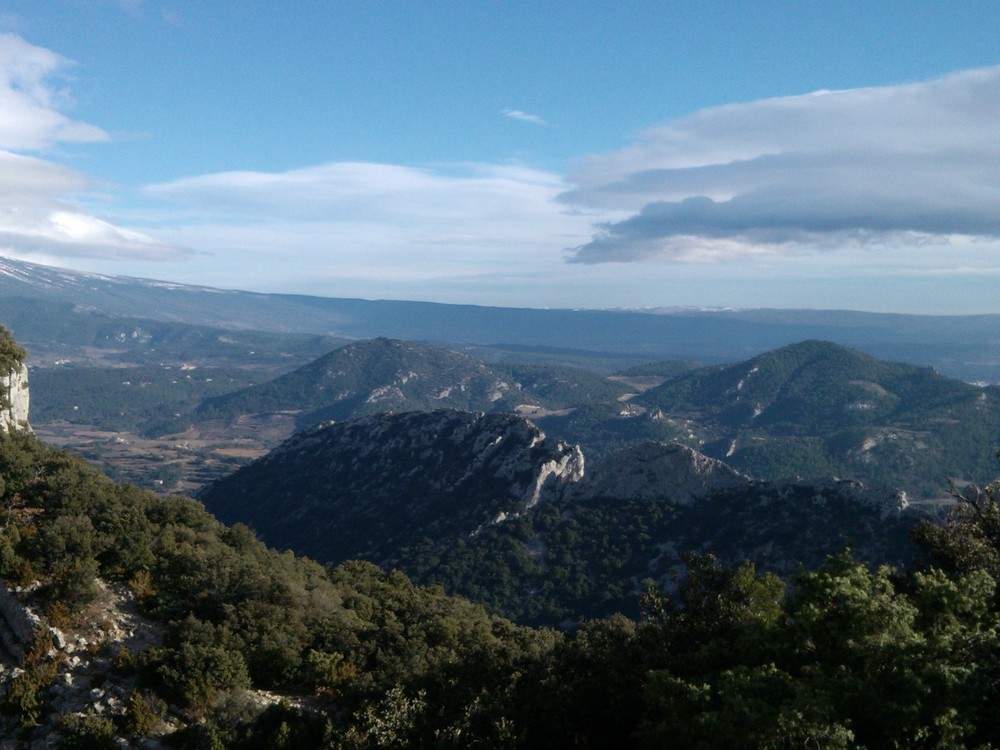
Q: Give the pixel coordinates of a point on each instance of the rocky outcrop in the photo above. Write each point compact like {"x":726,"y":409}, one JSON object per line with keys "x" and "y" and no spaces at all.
{"x":85,"y":681}
{"x":886,"y":502}
{"x":17,"y":623}
{"x":654,"y":470}
{"x":14,"y":399}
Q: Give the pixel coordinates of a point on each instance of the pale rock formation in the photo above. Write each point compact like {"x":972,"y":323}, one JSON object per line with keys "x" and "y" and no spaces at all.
{"x":14,"y":399}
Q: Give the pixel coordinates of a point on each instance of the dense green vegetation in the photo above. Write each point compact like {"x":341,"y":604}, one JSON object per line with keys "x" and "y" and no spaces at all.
{"x":852,"y":657}
{"x":238,"y":614}
{"x":384,"y":375}
{"x":562,"y":562}
{"x":149,"y":401}
{"x":813,"y":409}
{"x":11,"y":353}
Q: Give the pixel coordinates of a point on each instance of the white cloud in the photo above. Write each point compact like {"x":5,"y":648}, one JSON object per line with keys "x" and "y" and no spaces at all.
{"x":29,"y":103}
{"x":36,"y":221}
{"x":40,"y":209}
{"x":886,"y":166}
{"x":516,"y":114}
{"x":373,"y":221}
{"x":350,"y":190}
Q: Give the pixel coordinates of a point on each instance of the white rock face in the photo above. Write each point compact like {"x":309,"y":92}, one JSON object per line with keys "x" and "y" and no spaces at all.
{"x":14,"y":390}
{"x":554,"y":474}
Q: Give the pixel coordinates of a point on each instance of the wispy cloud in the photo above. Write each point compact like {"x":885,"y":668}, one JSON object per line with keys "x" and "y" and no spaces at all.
{"x":375,"y":221}
{"x":40,"y":211}
{"x":29,"y":101}
{"x":875,"y":167}
{"x":516,"y":114}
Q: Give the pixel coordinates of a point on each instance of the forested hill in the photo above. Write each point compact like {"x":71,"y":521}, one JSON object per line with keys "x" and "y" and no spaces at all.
{"x":379,"y":375}
{"x":489,"y":507}
{"x":817,"y":409}
{"x":370,"y":487}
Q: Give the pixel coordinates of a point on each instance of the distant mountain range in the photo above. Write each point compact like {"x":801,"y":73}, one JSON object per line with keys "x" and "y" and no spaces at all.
{"x":966,"y":347}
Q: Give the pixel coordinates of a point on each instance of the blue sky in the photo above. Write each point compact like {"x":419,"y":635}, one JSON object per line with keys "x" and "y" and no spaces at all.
{"x":544,"y":154}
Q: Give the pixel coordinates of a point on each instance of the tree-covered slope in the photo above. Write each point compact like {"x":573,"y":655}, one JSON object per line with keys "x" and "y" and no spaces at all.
{"x":381,"y":375}
{"x":438,"y":495}
{"x":810,"y":388}
{"x":814,"y":409}
{"x":369,"y":487}
{"x":219,"y":612}
{"x":149,"y":400}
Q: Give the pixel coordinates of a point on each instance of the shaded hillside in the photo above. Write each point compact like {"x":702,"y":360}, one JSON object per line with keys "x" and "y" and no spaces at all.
{"x":597,"y":556}
{"x":386,"y":375}
{"x":150,"y":621}
{"x":432,"y":494}
{"x":813,"y":409}
{"x":369,"y":487}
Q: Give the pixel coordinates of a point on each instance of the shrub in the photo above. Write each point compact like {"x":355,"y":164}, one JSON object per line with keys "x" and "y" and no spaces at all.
{"x":144,"y":713}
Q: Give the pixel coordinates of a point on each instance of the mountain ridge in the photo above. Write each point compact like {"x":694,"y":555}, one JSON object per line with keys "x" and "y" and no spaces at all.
{"x":814,"y":408}
{"x":964,"y":346}
{"x":399,"y":476}
{"x":385,"y":374}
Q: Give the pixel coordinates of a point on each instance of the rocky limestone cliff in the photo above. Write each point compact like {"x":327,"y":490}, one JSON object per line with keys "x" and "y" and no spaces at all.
{"x":441,"y":451}
{"x":14,"y":398}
